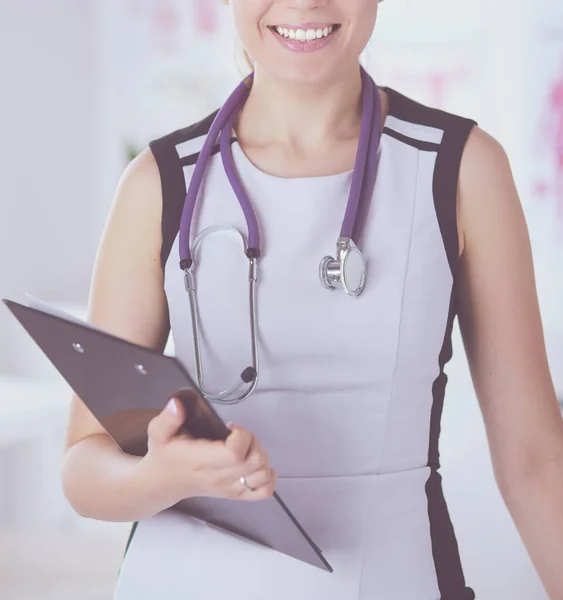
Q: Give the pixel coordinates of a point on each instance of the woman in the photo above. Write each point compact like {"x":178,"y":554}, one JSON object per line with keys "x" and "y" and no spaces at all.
{"x":348,"y":404}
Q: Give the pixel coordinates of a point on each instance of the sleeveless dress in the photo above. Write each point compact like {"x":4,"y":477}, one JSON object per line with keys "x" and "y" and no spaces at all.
{"x":351,"y":390}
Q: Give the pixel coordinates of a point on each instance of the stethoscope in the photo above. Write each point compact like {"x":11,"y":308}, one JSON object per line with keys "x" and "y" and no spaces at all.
{"x":346,"y":271}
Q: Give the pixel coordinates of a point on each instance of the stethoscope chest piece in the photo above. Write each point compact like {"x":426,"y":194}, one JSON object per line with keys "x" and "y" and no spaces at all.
{"x":347,"y":271}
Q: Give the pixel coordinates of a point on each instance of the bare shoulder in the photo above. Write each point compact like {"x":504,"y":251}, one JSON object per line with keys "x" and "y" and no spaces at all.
{"x":486,"y":183}
{"x":128,"y":271}
{"x":144,"y":164}
{"x":482,"y":153}
{"x":140,"y":182}
{"x":136,"y":213}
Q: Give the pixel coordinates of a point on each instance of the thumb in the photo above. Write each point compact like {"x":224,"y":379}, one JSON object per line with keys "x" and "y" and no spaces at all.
{"x":166,"y":424}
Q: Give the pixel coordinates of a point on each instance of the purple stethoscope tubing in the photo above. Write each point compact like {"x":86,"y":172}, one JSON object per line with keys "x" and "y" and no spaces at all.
{"x":372,"y":163}
{"x":363,"y":177}
{"x":237,"y":98}
{"x":350,"y":216}
{"x":253,"y":250}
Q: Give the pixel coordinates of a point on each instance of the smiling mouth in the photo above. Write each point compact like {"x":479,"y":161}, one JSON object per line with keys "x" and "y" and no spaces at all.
{"x":304,"y":35}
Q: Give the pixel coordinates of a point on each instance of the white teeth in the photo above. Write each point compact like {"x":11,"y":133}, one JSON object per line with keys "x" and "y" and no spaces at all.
{"x":305,"y":35}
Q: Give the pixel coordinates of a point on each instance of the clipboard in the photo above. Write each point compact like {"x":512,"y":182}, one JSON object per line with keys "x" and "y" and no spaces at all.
{"x":125,"y":385}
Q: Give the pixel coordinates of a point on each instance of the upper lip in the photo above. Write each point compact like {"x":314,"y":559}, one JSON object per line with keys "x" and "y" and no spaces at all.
{"x":304,"y":25}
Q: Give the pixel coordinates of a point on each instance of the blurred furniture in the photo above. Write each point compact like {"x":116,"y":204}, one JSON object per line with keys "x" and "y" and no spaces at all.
{"x":48,"y":564}
{"x":32,"y":420}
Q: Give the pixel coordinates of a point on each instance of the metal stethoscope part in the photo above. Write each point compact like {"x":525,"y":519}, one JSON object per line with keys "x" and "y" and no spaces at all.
{"x":250,"y":374}
{"x":347,"y":271}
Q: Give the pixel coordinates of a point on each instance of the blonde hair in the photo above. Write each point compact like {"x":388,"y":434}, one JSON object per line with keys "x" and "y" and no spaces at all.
{"x":248,"y":59}
{"x":241,"y":50}
{"x":243,"y":60}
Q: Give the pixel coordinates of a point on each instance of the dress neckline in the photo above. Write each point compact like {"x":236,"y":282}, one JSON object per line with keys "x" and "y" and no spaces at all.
{"x":242,"y":160}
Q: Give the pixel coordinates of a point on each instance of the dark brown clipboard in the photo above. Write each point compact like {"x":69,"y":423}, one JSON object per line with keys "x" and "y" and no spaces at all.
{"x":125,"y":385}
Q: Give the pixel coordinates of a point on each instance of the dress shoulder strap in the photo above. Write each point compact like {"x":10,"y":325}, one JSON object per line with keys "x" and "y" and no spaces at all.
{"x":171,"y":161}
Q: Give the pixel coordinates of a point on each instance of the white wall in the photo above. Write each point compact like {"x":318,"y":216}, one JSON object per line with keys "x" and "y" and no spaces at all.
{"x":49,"y":156}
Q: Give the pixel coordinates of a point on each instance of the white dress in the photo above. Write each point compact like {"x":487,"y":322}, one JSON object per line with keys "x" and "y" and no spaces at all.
{"x":351,"y":390}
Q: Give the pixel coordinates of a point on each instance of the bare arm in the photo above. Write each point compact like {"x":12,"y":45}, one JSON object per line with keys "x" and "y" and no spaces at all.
{"x":503,"y":336}
{"x":126,"y":298}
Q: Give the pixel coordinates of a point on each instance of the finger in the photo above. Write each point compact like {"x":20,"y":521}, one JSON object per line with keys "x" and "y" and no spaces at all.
{"x":236,"y":467}
{"x":238,"y":444}
{"x":256,"y":460}
{"x":259,"y":493}
{"x":259,"y":479}
{"x":167,"y":423}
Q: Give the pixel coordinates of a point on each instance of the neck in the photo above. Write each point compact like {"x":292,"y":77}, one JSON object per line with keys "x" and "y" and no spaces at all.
{"x":301,"y":115}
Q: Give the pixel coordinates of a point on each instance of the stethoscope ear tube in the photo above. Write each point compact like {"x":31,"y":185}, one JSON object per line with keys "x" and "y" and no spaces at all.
{"x":237,"y":185}
{"x":355,"y":196}
{"x":372,"y":165}
{"x":237,"y":98}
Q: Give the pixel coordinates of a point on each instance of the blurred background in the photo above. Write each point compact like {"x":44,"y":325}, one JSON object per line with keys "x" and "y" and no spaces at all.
{"x":86,"y":84}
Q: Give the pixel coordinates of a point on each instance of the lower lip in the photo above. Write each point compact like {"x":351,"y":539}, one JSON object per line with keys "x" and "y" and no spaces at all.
{"x":312,"y":46}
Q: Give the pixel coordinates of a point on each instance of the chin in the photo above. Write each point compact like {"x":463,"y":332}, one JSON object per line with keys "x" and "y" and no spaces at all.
{"x":308,"y":72}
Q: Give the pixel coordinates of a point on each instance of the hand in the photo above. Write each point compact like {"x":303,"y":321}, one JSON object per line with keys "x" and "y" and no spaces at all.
{"x":180,"y":466}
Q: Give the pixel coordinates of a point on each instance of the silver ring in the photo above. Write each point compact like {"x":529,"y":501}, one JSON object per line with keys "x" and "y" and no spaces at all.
{"x":243,"y":481}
